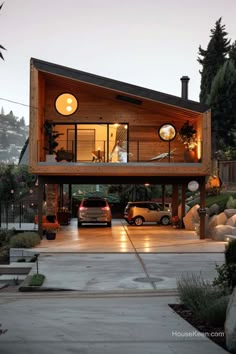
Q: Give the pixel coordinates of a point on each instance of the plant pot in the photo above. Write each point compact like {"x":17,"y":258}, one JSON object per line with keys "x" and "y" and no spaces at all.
{"x":189,"y":156}
{"x":51,"y":158}
{"x":50,"y":235}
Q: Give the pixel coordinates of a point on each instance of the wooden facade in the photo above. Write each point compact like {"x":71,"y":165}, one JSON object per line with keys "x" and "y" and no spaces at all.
{"x":107,"y":110}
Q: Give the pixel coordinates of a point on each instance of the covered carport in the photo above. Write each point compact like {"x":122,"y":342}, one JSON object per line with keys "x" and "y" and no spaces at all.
{"x":179,"y":187}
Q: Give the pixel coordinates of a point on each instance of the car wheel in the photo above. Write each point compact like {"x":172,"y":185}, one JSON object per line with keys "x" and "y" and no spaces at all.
{"x":165,"y":220}
{"x":109,"y":224}
{"x":138,"y":221}
{"x":79,"y":224}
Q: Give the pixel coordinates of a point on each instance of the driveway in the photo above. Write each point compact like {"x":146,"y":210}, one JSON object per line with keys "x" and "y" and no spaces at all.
{"x":123,"y":238}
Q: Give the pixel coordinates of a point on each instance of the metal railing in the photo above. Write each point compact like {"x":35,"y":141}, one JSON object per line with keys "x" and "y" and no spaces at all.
{"x":126,"y":151}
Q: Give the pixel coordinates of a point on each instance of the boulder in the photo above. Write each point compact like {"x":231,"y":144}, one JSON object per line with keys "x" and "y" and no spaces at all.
{"x":230,"y":323}
{"x":219,"y":232}
{"x":231,"y":221}
{"x":230,"y":212}
{"x":213,"y":209}
{"x":187,"y":207}
{"x":221,"y":219}
{"x":191,"y":218}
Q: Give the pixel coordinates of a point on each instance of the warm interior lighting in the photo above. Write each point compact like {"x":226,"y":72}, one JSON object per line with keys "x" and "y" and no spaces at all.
{"x":66,"y":104}
{"x":199,"y":150}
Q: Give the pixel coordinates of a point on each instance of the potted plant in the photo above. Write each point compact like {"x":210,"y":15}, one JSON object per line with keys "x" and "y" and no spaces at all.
{"x":51,"y":234}
{"x":52,"y":136}
{"x":187,"y":136}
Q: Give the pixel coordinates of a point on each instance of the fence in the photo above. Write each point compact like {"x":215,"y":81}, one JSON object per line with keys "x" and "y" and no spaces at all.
{"x":17,"y":213}
{"x":227,"y":171}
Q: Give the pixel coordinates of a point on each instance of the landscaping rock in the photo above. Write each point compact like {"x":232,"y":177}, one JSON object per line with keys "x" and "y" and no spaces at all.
{"x":230,"y":212}
{"x":192,"y":218}
{"x":221,"y":219}
{"x":187,"y":207}
{"x":213,"y":209}
{"x":232,"y":220}
{"x":219,"y":232}
{"x":230,"y":323}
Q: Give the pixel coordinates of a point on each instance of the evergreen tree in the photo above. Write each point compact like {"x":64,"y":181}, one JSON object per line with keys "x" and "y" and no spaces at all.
{"x":222,"y":99}
{"x":1,"y":47}
{"x":232,"y":53}
{"x":213,"y":58}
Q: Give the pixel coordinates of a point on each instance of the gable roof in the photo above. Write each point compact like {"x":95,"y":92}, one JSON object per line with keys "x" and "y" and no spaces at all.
{"x":119,"y":86}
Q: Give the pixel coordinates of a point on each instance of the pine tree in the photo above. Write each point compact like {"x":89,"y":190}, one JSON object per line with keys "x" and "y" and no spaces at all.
{"x":222,"y":99}
{"x":213,"y":58}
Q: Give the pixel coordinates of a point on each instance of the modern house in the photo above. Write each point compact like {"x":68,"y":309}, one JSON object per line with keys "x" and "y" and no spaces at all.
{"x":85,"y":128}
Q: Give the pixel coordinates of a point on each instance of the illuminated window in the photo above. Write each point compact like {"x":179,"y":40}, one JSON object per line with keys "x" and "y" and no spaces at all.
{"x":66,"y":104}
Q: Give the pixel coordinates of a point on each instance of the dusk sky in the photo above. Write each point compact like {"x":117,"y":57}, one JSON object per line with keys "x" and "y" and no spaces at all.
{"x":149,"y":43}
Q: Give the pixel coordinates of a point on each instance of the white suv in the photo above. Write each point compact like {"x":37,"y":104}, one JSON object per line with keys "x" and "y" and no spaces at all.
{"x":94,"y":210}
{"x":139,"y":212}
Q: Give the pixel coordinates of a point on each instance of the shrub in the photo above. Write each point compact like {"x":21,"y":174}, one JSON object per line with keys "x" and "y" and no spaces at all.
{"x":226,"y":279}
{"x":202,"y":298}
{"x":193,"y":289}
{"x":230,"y":252}
{"x":25,"y":240}
{"x":5,"y":235}
{"x":231,"y":203}
{"x":37,"y":280}
{"x":215,"y":312}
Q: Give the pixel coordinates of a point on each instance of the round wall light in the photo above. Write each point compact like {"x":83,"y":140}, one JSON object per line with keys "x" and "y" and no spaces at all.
{"x":66,"y":104}
{"x":167,"y":132}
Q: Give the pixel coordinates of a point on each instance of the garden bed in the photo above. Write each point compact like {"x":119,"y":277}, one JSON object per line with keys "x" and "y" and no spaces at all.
{"x":201,"y":326}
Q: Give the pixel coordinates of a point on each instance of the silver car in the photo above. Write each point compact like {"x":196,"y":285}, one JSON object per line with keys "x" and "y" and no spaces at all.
{"x":94,"y":210}
{"x":139,"y":212}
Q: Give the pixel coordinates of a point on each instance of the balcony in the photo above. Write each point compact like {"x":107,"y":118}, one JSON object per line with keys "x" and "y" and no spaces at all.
{"x":134,"y":151}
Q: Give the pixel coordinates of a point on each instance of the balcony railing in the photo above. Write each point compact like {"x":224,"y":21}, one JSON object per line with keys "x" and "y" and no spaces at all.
{"x":88,"y":151}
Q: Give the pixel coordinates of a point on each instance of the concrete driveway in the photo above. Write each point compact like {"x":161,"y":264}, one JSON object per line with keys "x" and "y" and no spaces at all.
{"x":123,"y":238}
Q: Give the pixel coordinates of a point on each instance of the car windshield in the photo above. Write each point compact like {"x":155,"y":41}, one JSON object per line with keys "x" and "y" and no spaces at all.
{"x":94,"y":203}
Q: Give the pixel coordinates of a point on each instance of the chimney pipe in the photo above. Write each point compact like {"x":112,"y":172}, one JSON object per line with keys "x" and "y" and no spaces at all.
{"x":184,"y":89}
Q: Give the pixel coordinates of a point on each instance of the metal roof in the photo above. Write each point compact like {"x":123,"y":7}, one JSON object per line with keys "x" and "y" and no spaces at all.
{"x":119,"y":86}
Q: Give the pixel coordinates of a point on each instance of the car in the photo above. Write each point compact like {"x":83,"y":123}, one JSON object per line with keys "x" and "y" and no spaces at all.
{"x":139,"y":212}
{"x":94,"y":210}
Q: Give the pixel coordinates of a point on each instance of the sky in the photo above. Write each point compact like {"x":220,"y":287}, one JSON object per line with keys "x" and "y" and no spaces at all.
{"x":149,"y":43}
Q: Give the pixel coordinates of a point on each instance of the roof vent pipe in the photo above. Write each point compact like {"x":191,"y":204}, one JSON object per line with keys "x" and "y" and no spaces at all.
{"x":184,"y":90}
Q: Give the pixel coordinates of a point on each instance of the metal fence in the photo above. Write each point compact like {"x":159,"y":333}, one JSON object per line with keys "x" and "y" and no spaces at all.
{"x":17,"y":213}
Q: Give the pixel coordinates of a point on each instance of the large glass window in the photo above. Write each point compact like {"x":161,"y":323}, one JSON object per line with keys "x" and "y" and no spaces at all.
{"x":95,"y":142}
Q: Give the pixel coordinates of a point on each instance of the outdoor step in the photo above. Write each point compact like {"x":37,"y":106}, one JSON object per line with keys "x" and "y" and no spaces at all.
{"x":14,"y":270}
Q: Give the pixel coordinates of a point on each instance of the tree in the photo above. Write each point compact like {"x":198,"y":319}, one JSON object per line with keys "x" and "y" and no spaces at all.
{"x":213,"y":58}
{"x":222,"y":99}
{"x":232,"y":53}
{"x":1,"y":47}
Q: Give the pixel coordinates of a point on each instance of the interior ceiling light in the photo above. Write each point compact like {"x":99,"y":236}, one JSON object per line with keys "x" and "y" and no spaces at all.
{"x":66,"y":104}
